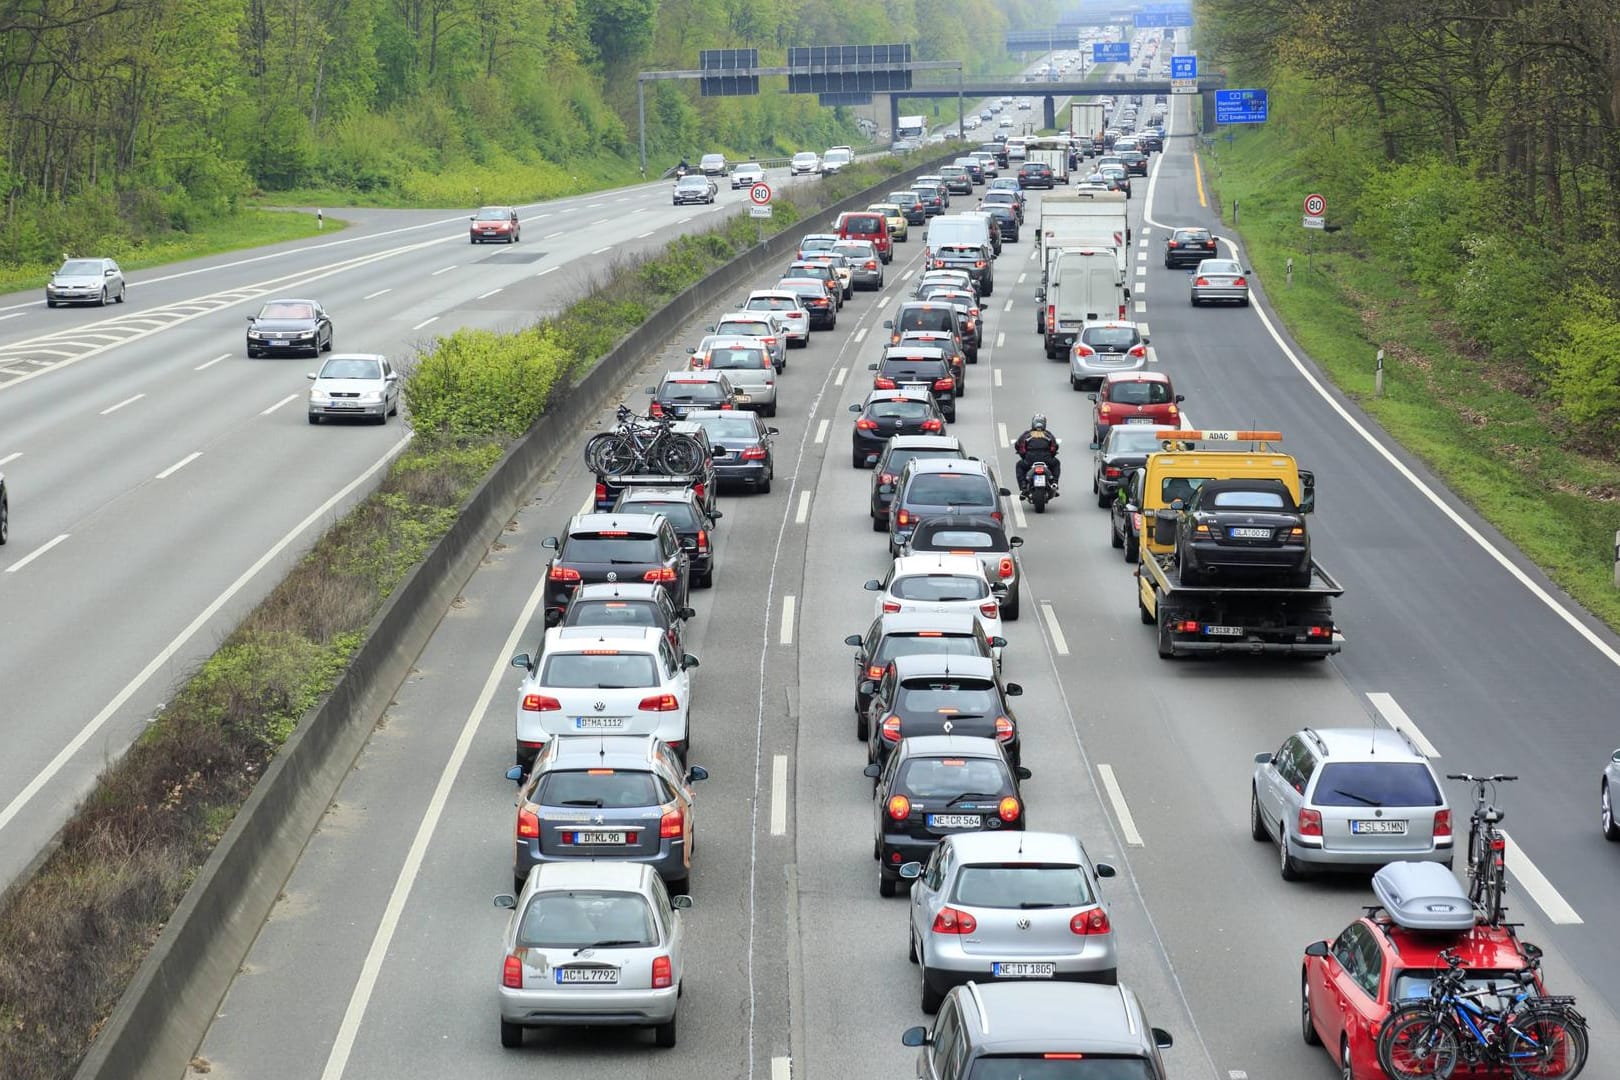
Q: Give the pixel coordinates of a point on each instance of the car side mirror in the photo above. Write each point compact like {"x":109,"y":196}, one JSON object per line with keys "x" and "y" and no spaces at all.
{"x":1022,"y":772}
{"x":252,"y":318}
{"x":696,"y":773}
{"x":1263,"y":758}
{"x":688,"y":661}
{"x":853,"y":640}
{"x":515,"y":774}
{"x":888,"y":324}
{"x":1091,"y":397}
{"x":523,"y":660}
{"x":1246,"y":270}
{"x":1132,"y":508}
{"x":1180,"y":398}
{"x":874,"y":770}
{"x":651,"y":390}
{"x":1162,"y":1039}
{"x":1015,"y":541}
{"x":1003,"y":491}
{"x":690,"y":351}
{"x":1531,"y":952}
{"x":549,"y":542}
{"x":874,"y":585}
{"x":911,"y":871}
{"x":871,"y":367}
{"x":914,"y":1036}
{"x":855,"y":408}
{"x":716,"y":515}
{"x":867,"y":687}
{"x":681,"y":902}
{"x":1014,"y":690}
{"x":1307,"y":491}
{"x":506,"y":901}
{"x":772,"y":431}
{"x":1317,"y":948}
{"x":999,"y":591}
{"x":1105,"y":869}
{"x":310,"y":376}
{"x":686,"y":613}
{"x":1145,"y":339}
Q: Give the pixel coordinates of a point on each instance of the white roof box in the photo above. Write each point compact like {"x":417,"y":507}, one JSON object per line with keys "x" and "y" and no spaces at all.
{"x":1423,"y":896}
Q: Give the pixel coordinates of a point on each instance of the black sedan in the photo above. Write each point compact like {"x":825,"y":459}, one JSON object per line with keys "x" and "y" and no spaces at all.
{"x":1243,"y":528}
{"x":1006,"y":215}
{"x":934,"y":695}
{"x":818,"y":301}
{"x":936,"y":786}
{"x":887,"y":413}
{"x":1036,"y":174}
{"x":896,"y":452}
{"x":289,"y":326}
{"x":742,"y":447}
{"x":1126,"y":447}
{"x":611,"y":547}
{"x":1188,"y":247}
{"x":912,"y":633}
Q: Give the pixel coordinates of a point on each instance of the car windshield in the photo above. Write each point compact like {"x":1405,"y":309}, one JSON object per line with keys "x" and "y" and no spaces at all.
{"x":1134,"y":439}
{"x":750,"y":166}
{"x":712,"y":159}
{"x":1140,"y":393}
{"x":899,"y":410}
{"x":494,"y":215}
{"x":939,"y":587}
{"x":692,"y":391}
{"x":80,"y":268}
{"x":1022,"y":885}
{"x":601,"y":669}
{"x":959,"y":539}
{"x":603,"y":789}
{"x":803,"y":156}
{"x":949,"y":489}
{"x":1078,"y":1067}
{"x":1249,"y":500}
{"x":680,"y":514}
{"x":612,"y":613}
{"x":935,"y":778}
{"x":584,"y":917}
{"x":939,"y":318}
{"x":733,"y":358}
{"x":287,"y":311}
{"x":1218,"y":266}
{"x":631,"y":548}
{"x":694,"y":182}
{"x":836,"y":156}
{"x":1376,"y":783}
{"x":351,"y":369}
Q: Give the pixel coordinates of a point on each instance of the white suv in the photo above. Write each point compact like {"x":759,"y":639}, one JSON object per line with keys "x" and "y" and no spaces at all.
{"x":622,"y":680}
{"x":836,"y":158}
{"x":948,"y":583}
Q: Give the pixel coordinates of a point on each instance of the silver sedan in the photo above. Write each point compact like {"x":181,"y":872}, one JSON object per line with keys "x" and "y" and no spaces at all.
{"x":1611,"y":790}
{"x":1220,"y":280}
{"x":354,"y":385}
{"x":595,"y":944}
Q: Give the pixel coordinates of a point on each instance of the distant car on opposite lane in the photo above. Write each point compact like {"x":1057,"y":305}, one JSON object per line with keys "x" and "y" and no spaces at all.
{"x":693,"y":188}
{"x":492,"y":223}
{"x":289,"y":326}
{"x":354,"y":385}
{"x":747,"y":174}
{"x":86,"y":281}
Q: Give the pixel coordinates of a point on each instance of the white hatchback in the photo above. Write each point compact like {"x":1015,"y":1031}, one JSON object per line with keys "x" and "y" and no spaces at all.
{"x":587,"y":680}
{"x":787,"y":306}
{"x":949,"y":583}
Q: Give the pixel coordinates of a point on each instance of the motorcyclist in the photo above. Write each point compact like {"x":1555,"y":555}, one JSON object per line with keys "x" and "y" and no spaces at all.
{"x":683,"y":168}
{"x":1037,"y":444}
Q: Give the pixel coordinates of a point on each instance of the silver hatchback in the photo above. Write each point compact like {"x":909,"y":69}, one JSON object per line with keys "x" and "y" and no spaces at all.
{"x":591,"y":944}
{"x":86,"y":281}
{"x":1220,"y":281}
{"x":1348,"y":798}
{"x":1102,"y":348}
{"x":994,"y":907}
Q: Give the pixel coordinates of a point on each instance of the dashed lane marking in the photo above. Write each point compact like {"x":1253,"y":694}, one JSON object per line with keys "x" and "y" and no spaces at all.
{"x":1122,"y":810}
{"x":997,"y":375}
{"x":842,"y":372}
{"x":803,"y":513}
{"x":1001,"y":339}
{"x":1001,"y":434}
{"x":36,"y":553}
{"x":1059,"y":642}
{"x":778,"y":809}
{"x":442,"y":270}
{"x":789,"y":602}
{"x":127,"y":401}
{"x":821,"y":431}
{"x":279,"y":404}
{"x":425,"y":322}
{"x":860,"y":335}
{"x":211,"y":363}
{"x":182,"y":463}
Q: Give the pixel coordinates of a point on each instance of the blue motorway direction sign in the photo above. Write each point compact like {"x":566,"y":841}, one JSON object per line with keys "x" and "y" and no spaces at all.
{"x":1111,"y":52}
{"x":1164,"y":17}
{"x":1184,"y":67}
{"x":1241,"y":106}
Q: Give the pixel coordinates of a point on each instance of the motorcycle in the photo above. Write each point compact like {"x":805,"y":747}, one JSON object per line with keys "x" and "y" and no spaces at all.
{"x":680,"y":171}
{"x":1041,"y":487}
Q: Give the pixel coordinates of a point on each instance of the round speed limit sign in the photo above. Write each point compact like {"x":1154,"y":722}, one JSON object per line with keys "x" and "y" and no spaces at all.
{"x":1315,"y":206}
{"x":760,"y":194}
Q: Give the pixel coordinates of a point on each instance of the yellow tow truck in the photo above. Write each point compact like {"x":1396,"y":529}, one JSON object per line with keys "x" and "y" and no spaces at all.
{"x":1241,"y":616}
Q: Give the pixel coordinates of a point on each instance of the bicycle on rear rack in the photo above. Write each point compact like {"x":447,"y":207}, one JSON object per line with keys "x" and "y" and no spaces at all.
{"x":1487,"y":846}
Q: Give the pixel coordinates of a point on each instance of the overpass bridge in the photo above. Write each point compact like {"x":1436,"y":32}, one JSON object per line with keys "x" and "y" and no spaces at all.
{"x":1050,"y":92}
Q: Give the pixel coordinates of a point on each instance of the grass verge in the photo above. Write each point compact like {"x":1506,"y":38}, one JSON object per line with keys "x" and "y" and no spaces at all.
{"x":1474,"y":420}
{"x":73,"y":935}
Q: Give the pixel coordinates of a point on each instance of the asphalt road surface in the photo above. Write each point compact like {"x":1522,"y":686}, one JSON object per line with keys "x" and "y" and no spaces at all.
{"x":161,"y":482}
{"x":381,"y":960}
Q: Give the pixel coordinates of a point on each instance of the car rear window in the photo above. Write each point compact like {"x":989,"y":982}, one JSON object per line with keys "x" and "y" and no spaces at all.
{"x":939,"y":587}
{"x":898,"y":458}
{"x":1415,"y":982}
{"x":602,"y":669}
{"x":856,"y":252}
{"x":899,"y":410}
{"x":922,"y":370}
{"x":933,"y":644}
{"x":680,"y":514}
{"x":952,"y":489}
{"x":864,"y":223}
{"x":633,"y":548}
{"x":1249,"y":500}
{"x":720,"y":431}
{"x":1134,"y":439}
{"x":1192,"y":234}
{"x":939,"y":318}
{"x":1139,"y":393}
{"x":1040,"y":1067}
{"x":948,"y":696}
{"x":1376,"y":783}
{"x":602,"y":789}
{"x":582,"y":917}
{"x":1109,"y":337}
{"x":1022,"y":885}
{"x":612,"y":613}
{"x":685,"y":392}
{"x":736,"y":359}
{"x":960,"y":539}
{"x":942,"y":777}
{"x":771,"y":303}
{"x":744,"y":328}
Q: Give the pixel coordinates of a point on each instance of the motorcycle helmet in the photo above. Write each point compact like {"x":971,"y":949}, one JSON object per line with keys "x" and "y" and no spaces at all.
{"x":1037,"y":422}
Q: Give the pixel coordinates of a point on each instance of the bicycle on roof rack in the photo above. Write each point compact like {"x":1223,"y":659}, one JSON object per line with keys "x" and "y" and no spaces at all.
{"x":1487,"y":846}
{"x":643,"y":444}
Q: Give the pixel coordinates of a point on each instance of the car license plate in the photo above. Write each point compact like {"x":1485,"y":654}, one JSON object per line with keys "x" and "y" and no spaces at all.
{"x":744,"y":397}
{"x":1004,"y":969}
{"x":1240,"y":533}
{"x":1140,"y":420}
{"x":1224,"y":631}
{"x":598,"y":723}
{"x":345,"y":404}
{"x":954,"y":821}
{"x":1040,"y":480}
{"x":598,"y":976}
{"x":599,"y":837}
{"x":1385,"y":828}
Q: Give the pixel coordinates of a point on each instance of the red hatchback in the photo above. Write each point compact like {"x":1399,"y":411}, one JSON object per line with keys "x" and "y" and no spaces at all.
{"x":1134,"y":397}
{"x":865,"y":225}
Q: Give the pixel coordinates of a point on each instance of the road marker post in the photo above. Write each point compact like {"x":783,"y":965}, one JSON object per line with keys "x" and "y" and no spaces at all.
{"x":1378,"y":376}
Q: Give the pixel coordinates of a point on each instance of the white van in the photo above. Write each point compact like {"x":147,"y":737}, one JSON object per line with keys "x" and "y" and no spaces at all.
{"x":1082,"y":286}
{"x":957,"y":230}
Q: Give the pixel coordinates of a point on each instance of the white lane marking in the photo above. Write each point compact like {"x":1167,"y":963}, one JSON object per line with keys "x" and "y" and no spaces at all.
{"x":588,"y":505}
{"x":1142,"y":243}
{"x":121,"y":404}
{"x":9,"y":458}
{"x":788,"y":604}
{"x":907,"y":275}
{"x":18,"y":565}
{"x":1141,"y":256}
{"x":13,"y":315}
{"x":1141,"y":271}
{"x":1034,"y":253}
{"x":177,"y":466}
{"x":625,"y":199}
{"x":1001,"y":434}
{"x":601,"y":221}
{"x":539,"y":217}
{"x":553,"y":235}
{"x":779,"y":805}
{"x":425,"y":322}
{"x":279,"y":404}
{"x":161,"y":660}
{"x":595,"y":206}
{"x":338,"y":1059}
{"x":1059,"y":642}
{"x":444,"y":270}
{"x":1536,"y":885}
{"x":1021,"y":278}
{"x":1396,"y":717}
{"x":781,"y":1068}
{"x":860,"y":335}
{"x":373,"y":296}
{"x":1018,"y":515}
{"x":883,"y":302}
{"x":678,"y":221}
{"x":546,"y":271}
{"x":1007,"y":306}
{"x":803,"y":513}
{"x":1122,"y":810}
{"x":1145,"y":231}
{"x":602,"y":250}
{"x":211,"y":363}
{"x":839,"y":381}
{"x":1142,"y":328}
{"x":486,"y":296}
{"x":1141,"y":306}
{"x":645,"y":235}
{"x":821,"y":431}
{"x":1001,"y":339}
{"x":1152,"y":355}
{"x":997,"y":374}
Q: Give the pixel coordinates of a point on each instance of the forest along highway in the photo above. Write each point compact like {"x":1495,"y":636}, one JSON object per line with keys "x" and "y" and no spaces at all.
{"x":129,"y":430}
{"x":792,"y":958}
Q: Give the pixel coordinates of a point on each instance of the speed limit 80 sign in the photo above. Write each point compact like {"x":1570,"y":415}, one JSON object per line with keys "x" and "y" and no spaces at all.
{"x":1315,"y":206}
{"x":760,"y":194}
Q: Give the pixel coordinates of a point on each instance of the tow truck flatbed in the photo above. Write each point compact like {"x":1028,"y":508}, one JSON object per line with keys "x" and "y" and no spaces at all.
{"x":1237,"y":617}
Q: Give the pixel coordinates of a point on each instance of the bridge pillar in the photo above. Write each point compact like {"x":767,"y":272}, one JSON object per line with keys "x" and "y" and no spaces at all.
{"x":894,"y":116}
{"x":1208,"y":124}
{"x":1048,"y":112}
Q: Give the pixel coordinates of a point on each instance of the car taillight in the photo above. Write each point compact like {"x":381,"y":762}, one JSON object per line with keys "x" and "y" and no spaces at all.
{"x":939,"y":264}
{"x":753,"y":453}
{"x":1442,"y":823}
{"x":703,"y":540}
{"x":979,"y":264}
{"x":863,"y":424}
{"x":725,"y":406}
{"x":891,"y":607}
{"x":659,"y":703}
{"x":656,"y":410}
{"x":1104,"y":409}
{"x":881,"y":383}
{"x":1094,"y":921}
{"x":1008,"y":809}
{"x":563,"y":573}
{"x":1240,"y":281}
{"x":528,"y":824}
{"x":663,"y":973}
{"x":1175,"y":243}
{"x":886,"y":478}
{"x":672,"y":824}
{"x":1004,"y":729}
{"x":1201,"y":281}
{"x":1006,"y":569}
{"x":663,"y":573}
{"x":871,"y":264}
{"x":899,"y":807}
{"x":944,"y":384}
{"x":890,"y":730}
{"x":601,"y":491}
{"x":1140,"y":352}
{"x":1051,"y":316}
{"x":540,"y":703}
{"x":1122,"y":311}
{"x":512,"y":973}
{"x":951,"y":921}
{"x":1084,"y":350}
{"x":932,"y":425}
{"x":874,"y":671}
{"x":769,"y":340}
{"x":1210,"y":244}
{"x":1310,"y":822}
{"x":990,"y":608}
{"x":973,"y":313}
{"x":1172,"y":410}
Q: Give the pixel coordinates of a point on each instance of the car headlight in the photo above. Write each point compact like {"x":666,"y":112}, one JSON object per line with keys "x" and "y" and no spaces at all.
{"x":319,"y":395}
{"x":254,"y":335}
{"x":372,"y":397}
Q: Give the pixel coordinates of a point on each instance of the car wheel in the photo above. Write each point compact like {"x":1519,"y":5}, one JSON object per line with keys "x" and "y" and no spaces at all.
{"x":863,"y":727}
{"x":1074,"y":384}
{"x":1114,"y":539}
{"x":679,"y":886}
{"x":5,"y":519}
{"x":1010,"y":611}
{"x":511,"y":1035}
{"x":518,"y":883}
{"x":765,"y":486}
{"x":931,"y":999}
{"x":1244,"y":302}
{"x":664,"y":1034}
{"x":1194,"y":301}
{"x":1347,"y":1071}
{"x":911,"y":945}
{"x":1142,"y":611}
{"x":327,"y":347}
{"x":857,"y":459}
{"x":887,"y":886}
{"x":770,"y":410}
{"x":880,"y":525}
{"x":1307,"y":1027}
{"x":1133,"y":547}
{"x":1287,"y":866}
{"x":103,"y":296}
{"x":1611,"y":830}
{"x":1257,"y":823}
{"x":253,"y":354}
{"x":704,"y":581}
{"x":314,"y":418}
{"x":122,"y":289}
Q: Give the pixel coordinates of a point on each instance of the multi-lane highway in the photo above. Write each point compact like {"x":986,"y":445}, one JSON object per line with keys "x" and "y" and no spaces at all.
{"x":381,"y":959}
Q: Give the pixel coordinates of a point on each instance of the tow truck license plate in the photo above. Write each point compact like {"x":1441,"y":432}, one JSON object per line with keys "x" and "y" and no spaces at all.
{"x":1364,"y":828}
{"x":1224,"y":631}
{"x":1003,"y":969}
{"x":954,"y":821}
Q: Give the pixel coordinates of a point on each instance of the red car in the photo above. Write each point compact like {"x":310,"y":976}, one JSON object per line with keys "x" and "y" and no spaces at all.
{"x":866,"y":225}
{"x":1134,"y":397}
{"x":1347,"y":984}
{"x":495,"y":224}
